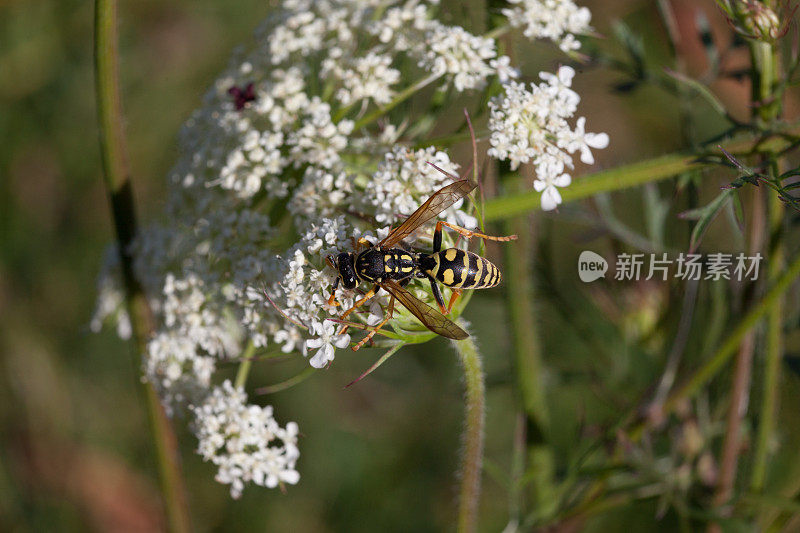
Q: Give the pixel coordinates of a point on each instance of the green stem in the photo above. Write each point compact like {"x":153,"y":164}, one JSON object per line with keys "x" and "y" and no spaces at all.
{"x":713,"y":365}
{"x":528,"y":363}
{"x":116,"y":177}
{"x":288,"y":383}
{"x":634,"y":174}
{"x":774,"y":353}
{"x":399,"y":98}
{"x":766,"y":59}
{"x":245,"y":364}
{"x":472,"y":454}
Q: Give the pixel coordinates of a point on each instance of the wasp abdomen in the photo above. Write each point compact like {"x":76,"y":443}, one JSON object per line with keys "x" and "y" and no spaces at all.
{"x":461,"y":269}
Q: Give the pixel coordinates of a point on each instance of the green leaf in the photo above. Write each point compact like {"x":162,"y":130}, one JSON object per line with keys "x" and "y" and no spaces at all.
{"x":704,"y":216}
{"x":699,"y":89}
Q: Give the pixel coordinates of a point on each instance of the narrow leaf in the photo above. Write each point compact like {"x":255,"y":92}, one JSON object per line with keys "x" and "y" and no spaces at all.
{"x":699,"y":89}
{"x":378,"y":363}
{"x":705,"y":215}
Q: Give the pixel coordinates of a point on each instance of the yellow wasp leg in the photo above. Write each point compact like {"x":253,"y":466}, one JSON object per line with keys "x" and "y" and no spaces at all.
{"x":356,"y":305}
{"x":453,"y":297}
{"x":469,"y":233}
{"x":374,"y":330}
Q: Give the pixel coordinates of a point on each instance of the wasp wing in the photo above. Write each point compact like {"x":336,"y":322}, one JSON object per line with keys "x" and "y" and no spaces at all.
{"x":438,"y":202}
{"x":430,"y":317}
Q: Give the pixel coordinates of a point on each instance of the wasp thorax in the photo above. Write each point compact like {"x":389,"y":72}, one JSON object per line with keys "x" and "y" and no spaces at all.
{"x":347,"y":271}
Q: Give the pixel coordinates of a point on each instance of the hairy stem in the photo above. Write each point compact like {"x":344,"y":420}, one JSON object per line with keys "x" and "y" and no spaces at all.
{"x":472,"y":451}
{"x":116,"y":176}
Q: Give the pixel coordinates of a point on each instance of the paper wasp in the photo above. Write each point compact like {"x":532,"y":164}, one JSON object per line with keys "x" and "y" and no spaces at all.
{"x":390,"y":268}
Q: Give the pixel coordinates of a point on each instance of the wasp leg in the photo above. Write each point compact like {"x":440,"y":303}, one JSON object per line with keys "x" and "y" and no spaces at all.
{"x":356,"y":305}
{"x":373,"y":331}
{"x":361,"y":242}
{"x":437,"y":294}
{"x":332,"y":299}
{"x":453,"y":297}
{"x":437,"y":235}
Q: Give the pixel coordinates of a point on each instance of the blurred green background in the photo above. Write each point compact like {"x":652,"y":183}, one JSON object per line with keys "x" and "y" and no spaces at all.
{"x":381,"y":456}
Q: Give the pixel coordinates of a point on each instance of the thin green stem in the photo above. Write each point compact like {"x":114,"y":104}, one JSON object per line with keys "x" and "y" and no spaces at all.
{"x":116,"y":177}
{"x":634,"y":174}
{"x":528,"y":365}
{"x":472,"y":454}
{"x":768,"y":64}
{"x":244,"y":365}
{"x":774,"y":353}
{"x":288,"y":383}
{"x":728,"y":348}
{"x":399,"y":98}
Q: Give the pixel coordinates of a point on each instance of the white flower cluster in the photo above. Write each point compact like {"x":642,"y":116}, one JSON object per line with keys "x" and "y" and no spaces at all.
{"x":244,"y":441}
{"x":276,"y":172}
{"x":405,"y":176}
{"x":530,"y":125}
{"x":557,"y":20}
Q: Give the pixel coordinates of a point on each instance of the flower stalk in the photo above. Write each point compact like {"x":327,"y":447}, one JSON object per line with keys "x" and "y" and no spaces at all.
{"x":528,"y":359}
{"x":723,"y":354}
{"x":639,"y":173}
{"x":472,"y":445}
{"x":116,"y":177}
{"x":769,"y":96}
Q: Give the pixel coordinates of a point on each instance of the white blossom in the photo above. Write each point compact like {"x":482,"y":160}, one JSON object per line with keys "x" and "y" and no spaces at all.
{"x":178,"y":369}
{"x":111,"y":297}
{"x":244,"y":441}
{"x":324,"y":342}
{"x":405,"y":177}
{"x":459,"y":54}
{"x":530,"y":125}
{"x":278,"y":169}
{"x":556,"y":20}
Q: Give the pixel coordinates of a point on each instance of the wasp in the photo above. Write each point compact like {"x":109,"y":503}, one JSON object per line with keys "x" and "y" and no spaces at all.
{"x":391,"y":268}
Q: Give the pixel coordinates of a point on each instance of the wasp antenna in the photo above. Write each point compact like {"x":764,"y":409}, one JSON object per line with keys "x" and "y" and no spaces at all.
{"x":287,"y":317}
{"x":446,"y":173}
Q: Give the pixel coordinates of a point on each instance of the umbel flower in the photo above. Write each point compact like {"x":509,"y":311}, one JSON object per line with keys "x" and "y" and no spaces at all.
{"x":283,"y":164}
{"x":529,"y":125}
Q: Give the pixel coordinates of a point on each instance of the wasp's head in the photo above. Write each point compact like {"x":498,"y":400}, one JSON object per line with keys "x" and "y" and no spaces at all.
{"x":344,"y":263}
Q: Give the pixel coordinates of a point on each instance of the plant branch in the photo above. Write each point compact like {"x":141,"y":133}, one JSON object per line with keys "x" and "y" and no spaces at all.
{"x":472,"y":454}
{"x":116,"y":176}
{"x":399,"y":98}
{"x":774,"y":354}
{"x":723,"y":354}
{"x":638,"y":173}
{"x":527,"y":360}
{"x":737,"y":409}
{"x":244,"y":365}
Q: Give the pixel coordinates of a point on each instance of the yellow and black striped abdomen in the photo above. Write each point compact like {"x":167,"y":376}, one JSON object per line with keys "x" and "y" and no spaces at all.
{"x":461,"y":269}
